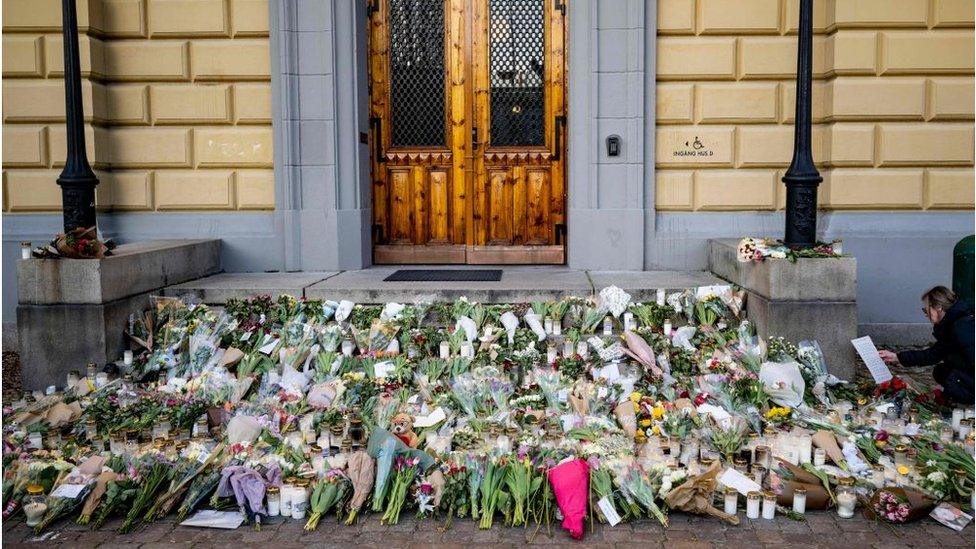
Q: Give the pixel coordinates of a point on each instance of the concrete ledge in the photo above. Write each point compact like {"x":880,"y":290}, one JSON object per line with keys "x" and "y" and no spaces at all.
{"x":832,"y":323}
{"x":829,"y":279}
{"x":217,"y":289}
{"x":132,"y":269}
{"x":643,"y":285}
{"x":55,"y":339}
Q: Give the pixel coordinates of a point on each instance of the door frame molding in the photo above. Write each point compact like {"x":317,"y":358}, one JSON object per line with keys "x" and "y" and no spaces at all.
{"x":320,"y":105}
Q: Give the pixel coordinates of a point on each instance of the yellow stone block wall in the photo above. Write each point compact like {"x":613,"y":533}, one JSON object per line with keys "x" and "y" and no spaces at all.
{"x":177,"y":100}
{"x":893,"y":103}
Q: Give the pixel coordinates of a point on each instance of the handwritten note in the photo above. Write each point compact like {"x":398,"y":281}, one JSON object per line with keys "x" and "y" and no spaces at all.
{"x":609,"y":512}
{"x":869,"y":354}
{"x":70,"y":491}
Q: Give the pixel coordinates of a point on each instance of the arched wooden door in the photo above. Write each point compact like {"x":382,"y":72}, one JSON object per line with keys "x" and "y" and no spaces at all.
{"x":467,"y":105}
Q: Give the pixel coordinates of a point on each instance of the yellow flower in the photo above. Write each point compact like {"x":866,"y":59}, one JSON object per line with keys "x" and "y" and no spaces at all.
{"x":635,"y":396}
{"x":903,"y":469}
{"x":658,"y":412}
{"x":636,"y":407}
{"x":656,"y":430}
{"x":640,"y":437}
{"x":645,"y":423}
{"x":880,"y":443}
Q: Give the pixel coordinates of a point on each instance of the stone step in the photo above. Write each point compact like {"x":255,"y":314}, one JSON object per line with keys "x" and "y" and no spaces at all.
{"x":518,"y":284}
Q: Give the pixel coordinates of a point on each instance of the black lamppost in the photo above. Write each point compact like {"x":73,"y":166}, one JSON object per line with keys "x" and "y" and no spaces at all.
{"x":802,"y":177}
{"x":77,"y":180}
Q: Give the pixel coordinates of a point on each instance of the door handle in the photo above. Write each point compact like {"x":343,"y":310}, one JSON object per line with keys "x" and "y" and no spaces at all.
{"x":560,"y":122}
{"x":377,"y":124}
{"x":474,"y":138}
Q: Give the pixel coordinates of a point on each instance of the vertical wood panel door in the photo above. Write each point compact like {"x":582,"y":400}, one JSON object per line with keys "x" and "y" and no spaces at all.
{"x":467,"y":105}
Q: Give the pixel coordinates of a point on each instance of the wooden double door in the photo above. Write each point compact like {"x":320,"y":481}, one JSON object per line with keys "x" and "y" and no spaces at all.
{"x":467,"y":111}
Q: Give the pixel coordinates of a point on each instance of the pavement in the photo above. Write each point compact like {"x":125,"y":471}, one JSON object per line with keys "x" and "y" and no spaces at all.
{"x":820,"y":529}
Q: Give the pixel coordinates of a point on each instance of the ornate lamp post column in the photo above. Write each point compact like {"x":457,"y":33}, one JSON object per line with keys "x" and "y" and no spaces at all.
{"x":802,"y":177}
{"x":77,"y":180}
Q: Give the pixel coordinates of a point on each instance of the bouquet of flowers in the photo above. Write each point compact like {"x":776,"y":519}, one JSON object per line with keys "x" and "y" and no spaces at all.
{"x":404,"y":473}
{"x":327,"y":493}
{"x":898,"y":505}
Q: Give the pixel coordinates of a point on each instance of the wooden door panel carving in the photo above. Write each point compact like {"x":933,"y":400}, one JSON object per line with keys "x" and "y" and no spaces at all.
{"x":491,"y":187}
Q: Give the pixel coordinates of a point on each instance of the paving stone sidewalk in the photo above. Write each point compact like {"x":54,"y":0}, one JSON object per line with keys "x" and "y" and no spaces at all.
{"x":821,"y":529}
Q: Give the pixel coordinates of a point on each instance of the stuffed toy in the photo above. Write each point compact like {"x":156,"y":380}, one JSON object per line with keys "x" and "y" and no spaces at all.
{"x":402,"y":427}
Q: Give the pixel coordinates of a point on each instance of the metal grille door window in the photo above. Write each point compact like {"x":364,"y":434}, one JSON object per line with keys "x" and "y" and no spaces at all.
{"x":467,"y":105}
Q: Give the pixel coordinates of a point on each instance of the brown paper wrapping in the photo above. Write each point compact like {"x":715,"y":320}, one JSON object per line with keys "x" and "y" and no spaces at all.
{"x":230,"y":357}
{"x":626,"y":417}
{"x":60,"y":414}
{"x":827,"y":441}
{"x":695,"y":496}
{"x":800,"y":474}
{"x":817,"y":497}
{"x":95,"y":497}
{"x":921,"y":505}
{"x":579,"y":405}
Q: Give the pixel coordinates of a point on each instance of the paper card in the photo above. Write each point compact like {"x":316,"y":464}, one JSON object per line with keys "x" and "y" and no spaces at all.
{"x":246,"y":336}
{"x":951,"y":516}
{"x":869,"y":354}
{"x":413,"y":399}
{"x":608,"y":511}
{"x":383,"y":369}
{"x":203,"y":456}
{"x":563,"y":395}
{"x":430,"y":420}
{"x":208,"y":518}
{"x":267,"y":348}
{"x":70,"y":491}
{"x":595,"y":343}
{"x":742,"y":483}
{"x":610,"y":372}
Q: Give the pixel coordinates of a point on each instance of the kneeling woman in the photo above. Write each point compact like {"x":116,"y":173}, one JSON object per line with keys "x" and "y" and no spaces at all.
{"x":953,"y":349}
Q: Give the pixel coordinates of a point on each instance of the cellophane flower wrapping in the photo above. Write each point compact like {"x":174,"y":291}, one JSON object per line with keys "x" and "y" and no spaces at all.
{"x":570,"y":483}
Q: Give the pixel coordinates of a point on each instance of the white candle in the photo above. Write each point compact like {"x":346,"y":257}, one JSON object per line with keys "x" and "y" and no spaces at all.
{"x":799,"y":501}
{"x":557,"y":327}
{"x":284,"y":506}
{"x":731,"y":501}
{"x":551,"y":354}
{"x":607,"y":326}
{"x":127,"y":357}
{"x":347,"y":348}
{"x":299,"y":502}
{"x":660,"y":297}
{"x":25,"y":250}
{"x":819,"y":457}
{"x":581,"y":349}
{"x":628,"y":321}
{"x":445,"y":349}
{"x":667,"y":329}
{"x":769,"y":507}
{"x":548,"y":325}
{"x":752,"y":505}
{"x":467,"y":350}
{"x":958,"y":414}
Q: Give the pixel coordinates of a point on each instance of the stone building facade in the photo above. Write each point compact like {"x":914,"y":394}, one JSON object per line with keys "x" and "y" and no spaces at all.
{"x":248,"y":120}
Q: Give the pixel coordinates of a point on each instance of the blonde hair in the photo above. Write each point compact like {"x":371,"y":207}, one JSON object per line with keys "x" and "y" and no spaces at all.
{"x":939,"y":297}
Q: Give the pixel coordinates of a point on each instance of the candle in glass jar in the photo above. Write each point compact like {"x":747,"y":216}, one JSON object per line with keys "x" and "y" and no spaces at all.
{"x":286,"y":499}
{"x":769,"y":506}
{"x":799,"y":500}
{"x":607,"y":326}
{"x":547,"y":325}
{"x":445,"y":349}
{"x":127,"y":357}
{"x":970,"y":413}
{"x":551,"y":353}
{"x":758,"y":474}
{"x":299,"y":500}
{"x":946,"y":434}
{"x":557,"y":326}
{"x":845,"y":505}
{"x":628,"y":321}
{"x":25,"y":249}
{"x":274,"y":501}
{"x":467,"y":351}
{"x":878,"y":476}
{"x":805,"y":445}
{"x":731,"y":501}
{"x":819,"y":457}
{"x":568,"y":349}
{"x":347,"y":348}
{"x":763,"y":456}
{"x":965,"y":427}
{"x":660,"y":297}
{"x":753,"y":501}
{"x":667,"y":329}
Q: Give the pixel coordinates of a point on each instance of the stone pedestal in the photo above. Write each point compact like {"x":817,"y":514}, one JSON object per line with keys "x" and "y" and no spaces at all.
{"x":73,"y":311}
{"x":807,"y":300}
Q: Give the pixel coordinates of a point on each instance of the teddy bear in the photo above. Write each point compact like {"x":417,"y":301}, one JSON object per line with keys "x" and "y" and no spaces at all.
{"x":402,"y":427}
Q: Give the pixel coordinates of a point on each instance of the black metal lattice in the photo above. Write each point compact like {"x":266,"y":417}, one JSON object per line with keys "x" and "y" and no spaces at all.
{"x":417,"y":73}
{"x":517,"y":75}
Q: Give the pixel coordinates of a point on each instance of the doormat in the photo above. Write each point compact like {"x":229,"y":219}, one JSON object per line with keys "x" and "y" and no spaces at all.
{"x":445,"y":275}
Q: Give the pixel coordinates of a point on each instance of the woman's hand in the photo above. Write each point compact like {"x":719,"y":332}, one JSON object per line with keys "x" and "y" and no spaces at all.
{"x":889,"y":357}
